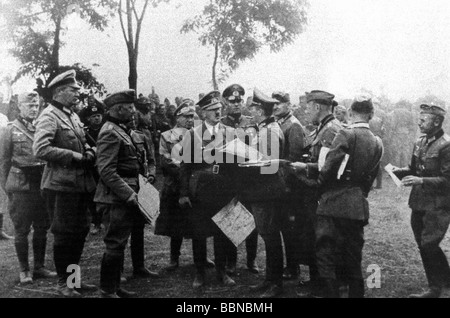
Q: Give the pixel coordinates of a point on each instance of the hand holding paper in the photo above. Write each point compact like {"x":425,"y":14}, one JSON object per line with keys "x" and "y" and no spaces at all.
{"x":390,"y":170}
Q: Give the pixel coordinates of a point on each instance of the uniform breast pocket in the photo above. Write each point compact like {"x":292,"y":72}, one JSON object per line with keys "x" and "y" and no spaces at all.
{"x":20,"y":144}
{"x":68,"y":136}
{"x":129,"y":151}
{"x":432,"y":163}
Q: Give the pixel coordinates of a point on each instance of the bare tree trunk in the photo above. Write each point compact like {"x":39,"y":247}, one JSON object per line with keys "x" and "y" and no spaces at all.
{"x":132,"y":62}
{"x":54,"y":63}
{"x":216,"y":57}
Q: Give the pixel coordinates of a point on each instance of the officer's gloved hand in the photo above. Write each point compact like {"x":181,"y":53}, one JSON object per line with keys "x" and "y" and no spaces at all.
{"x":184,"y":202}
{"x":88,"y":159}
{"x":133,"y":200}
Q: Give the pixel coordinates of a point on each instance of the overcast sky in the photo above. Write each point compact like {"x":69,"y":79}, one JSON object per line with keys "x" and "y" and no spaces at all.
{"x":400,"y":48}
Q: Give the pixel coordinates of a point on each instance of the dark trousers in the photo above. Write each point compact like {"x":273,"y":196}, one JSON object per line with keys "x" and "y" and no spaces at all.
{"x":121,"y":223}
{"x":251,"y":247}
{"x":69,"y":224}
{"x":175,"y":248}
{"x":274,"y":257}
{"x":28,"y":209}
{"x":224,"y":251}
{"x":339,"y":250}
{"x":200,"y":252}
{"x":429,"y":228}
{"x":269,"y":221}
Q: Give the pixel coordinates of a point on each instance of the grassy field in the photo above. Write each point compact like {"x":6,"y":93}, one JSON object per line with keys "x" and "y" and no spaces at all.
{"x":389,"y":245}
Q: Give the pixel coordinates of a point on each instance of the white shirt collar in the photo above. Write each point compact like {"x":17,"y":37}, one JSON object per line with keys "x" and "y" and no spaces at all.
{"x":360,"y":125}
{"x":210,"y":127}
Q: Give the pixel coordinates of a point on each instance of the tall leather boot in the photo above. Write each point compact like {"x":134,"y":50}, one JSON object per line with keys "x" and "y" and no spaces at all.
{"x":39,"y":246}
{"x":110,"y":274}
{"x":356,"y":288}
{"x":22,"y":254}
{"x":137,"y":248}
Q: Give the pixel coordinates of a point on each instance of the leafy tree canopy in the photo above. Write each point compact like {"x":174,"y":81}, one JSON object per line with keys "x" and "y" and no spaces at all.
{"x":238,"y":29}
{"x":35,"y":26}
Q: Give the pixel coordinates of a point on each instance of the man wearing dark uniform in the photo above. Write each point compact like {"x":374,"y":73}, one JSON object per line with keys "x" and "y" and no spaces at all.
{"x":143,"y":122}
{"x":294,"y":148}
{"x":319,"y":111}
{"x":172,"y":221}
{"x":344,"y":181}
{"x":20,"y":177}
{"x":68,"y":180}
{"x":92,"y":117}
{"x":264,"y":192}
{"x":207,"y":185}
{"x":233,"y":97}
{"x":121,"y":158}
{"x":429,"y":176}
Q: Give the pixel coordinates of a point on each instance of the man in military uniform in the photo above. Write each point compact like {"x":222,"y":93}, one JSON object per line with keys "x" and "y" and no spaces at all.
{"x":121,"y":158}
{"x":344,"y":182}
{"x":341,"y":114}
{"x":143,"y":121}
{"x":20,"y":176}
{"x":429,"y":176}
{"x":3,"y":198}
{"x":207,"y":185}
{"x":319,"y":111}
{"x":269,"y":141}
{"x":92,"y":116}
{"x":68,"y":179}
{"x":233,"y":97}
{"x":294,"y":148}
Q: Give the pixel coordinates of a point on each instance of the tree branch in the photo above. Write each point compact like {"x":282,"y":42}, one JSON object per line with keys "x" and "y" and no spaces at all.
{"x":121,"y":23}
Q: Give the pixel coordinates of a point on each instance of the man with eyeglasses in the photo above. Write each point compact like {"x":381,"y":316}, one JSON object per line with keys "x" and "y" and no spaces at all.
{"x":233,"y":96}
{"x":429,"y":176}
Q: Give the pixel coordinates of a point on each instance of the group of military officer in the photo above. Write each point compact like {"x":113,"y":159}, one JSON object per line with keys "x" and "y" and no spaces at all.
{"x":307,"y":194}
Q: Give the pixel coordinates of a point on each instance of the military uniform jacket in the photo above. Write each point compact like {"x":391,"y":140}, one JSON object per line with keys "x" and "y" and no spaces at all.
{"x":60,"y":134}
{"x":144,"y":126}
{"x":19,"y":168}
{"x":242,"y":122}
{"x":205,"y":177}
{"x":430,"y":161}
{"x":345,"y":196}
{"x":118,"y":164}
{"x":254,"y":185}
{"x":323,"y":136}
{"x":294,"y":137}
{"x":171,"y":220}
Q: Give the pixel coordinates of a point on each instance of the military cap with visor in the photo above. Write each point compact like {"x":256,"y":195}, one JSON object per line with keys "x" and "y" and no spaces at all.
{"x":122,"y":97}
{"x":210,"y":101}
{"x":282,"y":97}
{"x":433,"y":110}
{"x":261,"y":99}
{"x":320,"y":97}
{"x":94,"y":108}
{"x":186,"y":108}
{"x":64,"y":79}
{"x":233,"y":93}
